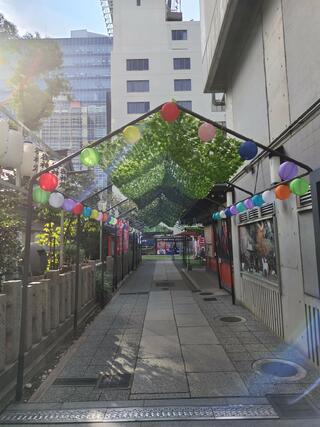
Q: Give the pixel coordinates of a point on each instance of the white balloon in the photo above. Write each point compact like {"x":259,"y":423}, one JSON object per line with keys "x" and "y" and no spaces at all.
{"x":222,"y":214}
{"x":56,"y":200}
{"x":268,"y":196}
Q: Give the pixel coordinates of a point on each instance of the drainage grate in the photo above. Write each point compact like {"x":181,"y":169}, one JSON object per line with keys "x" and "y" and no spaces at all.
{"x":75,"y":381}
{"x":115,"y":381}
{"x":210,"y":299}
{"x":166,"y":284}
{"x":284,"y":369}
{"x":109,"y":415}
{"x":232,"y":319}
{"x":292,"y":406}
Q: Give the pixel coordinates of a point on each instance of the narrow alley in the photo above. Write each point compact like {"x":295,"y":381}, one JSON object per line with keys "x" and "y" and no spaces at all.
{"x":162,"y":343}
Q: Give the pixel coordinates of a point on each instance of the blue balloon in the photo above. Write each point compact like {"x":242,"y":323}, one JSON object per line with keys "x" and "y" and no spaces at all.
{"x":248,"y":150}
{"x":240,"y":207}
{"x":228,"y":213}
{"x":86,"y":212}
{"x":257,"y":200}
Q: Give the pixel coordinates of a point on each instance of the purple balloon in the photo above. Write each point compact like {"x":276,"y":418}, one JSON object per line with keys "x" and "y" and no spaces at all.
{"x":68,"y":205}
{"x":233,"y":210}
{"x":288,"y":170}
{"x":248,"y":204}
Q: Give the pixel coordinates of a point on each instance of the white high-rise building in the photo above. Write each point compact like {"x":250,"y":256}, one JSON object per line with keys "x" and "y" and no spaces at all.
{"x":156,"y":57}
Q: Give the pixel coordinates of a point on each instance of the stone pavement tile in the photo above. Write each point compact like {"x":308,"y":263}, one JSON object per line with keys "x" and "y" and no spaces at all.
{"x":243,"y":355}
{"x":159,"y":327}
{"x":255,"y":347}
{"x":261,"y":354}
{"x":158,"y":314}
{"x":160,"y":398}
{"x":247,"y":338}
{"x":159,"y":376}
{"x":243,"y":365}
{"x":93,"y":371}
{"x":58,"y":394}
{"x":233,"y":348}
{"x":152,"y":346}
{"x":186,"y":309}
{"x":206,"y":358}
{"x":191,"y":320}
{"x":115,"y":394}
{"x":238,"y":328}
{"x":176,"y":293}
{"x":85,"y":394}
{"x":73,"y":370}
{"x":216,"y":384}
{"x":197,"y":335}
{"x":183,"y":300}
{"x":228,"y":340}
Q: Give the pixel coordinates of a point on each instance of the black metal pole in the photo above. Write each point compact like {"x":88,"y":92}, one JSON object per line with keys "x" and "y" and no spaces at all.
{"x":25,"y":283}
{"x":77,"y":283}
{"x":102,"y":243}
{"x":216,"y":254}
{"x":117,"y":204}
{"x":122,"y":252}
{"x":229,"y":236}
{"x":115,"y":261}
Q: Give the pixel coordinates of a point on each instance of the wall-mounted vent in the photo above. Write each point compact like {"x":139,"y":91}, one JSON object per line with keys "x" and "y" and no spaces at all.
{"x":243,"y":217}
{"x":254,"y":214}
{"x":267,"y":209}
{"x":305,"y":200}
{"x":313,"y":333}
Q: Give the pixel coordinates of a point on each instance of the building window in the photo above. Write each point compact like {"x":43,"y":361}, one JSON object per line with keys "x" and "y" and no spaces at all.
{"x":185,"y":104}
{"x":137,"y":64}
{"x":137,"y":85}
{"x":182,"y":85}
{"x":179,"y":35}
{"x":138,"y":107}
{"x":181,"y":63}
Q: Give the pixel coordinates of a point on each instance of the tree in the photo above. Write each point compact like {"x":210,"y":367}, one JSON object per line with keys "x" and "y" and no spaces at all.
{"x":34,"y":79}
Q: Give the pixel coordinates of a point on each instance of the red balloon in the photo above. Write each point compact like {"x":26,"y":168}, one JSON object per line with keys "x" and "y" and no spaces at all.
{"x":48,"y":181}
{"x":104,"y":217}
{"x":78,"y":208}
{"x":170,"y":112}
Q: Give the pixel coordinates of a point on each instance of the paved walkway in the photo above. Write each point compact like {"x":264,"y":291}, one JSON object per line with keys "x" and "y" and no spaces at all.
{"x":159,"y":339}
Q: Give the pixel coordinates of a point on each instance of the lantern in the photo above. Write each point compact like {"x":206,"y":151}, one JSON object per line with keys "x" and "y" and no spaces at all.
{"x":87,"y":212}
{"x":11,"y":146}
{"x":288,"y":170}
{"x":299,"y":186}
{"x":233,"y":210}
{"x":89,"y":157}
{"x":132,"y":134}
{"x":222,"y":214}
{"x":48,"y":181}
{"x":248,"y":150}
{"x":68,"y":205}
{"x":94,"y":214}
{"x":257,"y":200}
{"x":240,"y":207}
{"x":39,"y":195}
{"x":206,"y":132}
{"x":282,"y":192}
{"x":56,"y":200}
{"x":28,"y":158}
{"x":248,"y":204}
{"x":227,"y":213}
{"x":268,"y":196}
{"x":170,"y":112}
{"x":77,"y":209}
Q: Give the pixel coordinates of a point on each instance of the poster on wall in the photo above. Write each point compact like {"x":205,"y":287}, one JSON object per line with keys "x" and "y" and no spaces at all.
{"x":258,"y":252}
{"x":222,"y":242}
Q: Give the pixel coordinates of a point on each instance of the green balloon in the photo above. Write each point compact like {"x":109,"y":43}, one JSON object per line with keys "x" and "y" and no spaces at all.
{"x":299,"y":186}
{"x":89,"y":157}
{"x":40,"y":196}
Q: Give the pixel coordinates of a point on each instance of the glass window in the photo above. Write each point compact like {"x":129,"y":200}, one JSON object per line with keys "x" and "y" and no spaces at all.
{"x":137,"y":85}
{"x":181,"y":63}
{"x":138,"y":107}
{"x":182,"y":84}
{"x":185,"y":104}
{"x":137,"y":64}
{"x":179,"y":35}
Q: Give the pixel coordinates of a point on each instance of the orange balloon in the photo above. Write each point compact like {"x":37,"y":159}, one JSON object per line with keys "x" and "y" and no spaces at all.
{"x":282,"y":192}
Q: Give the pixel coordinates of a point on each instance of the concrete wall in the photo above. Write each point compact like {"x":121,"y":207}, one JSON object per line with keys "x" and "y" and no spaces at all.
{"x":273,"y":80}
{"x":143,"y":32}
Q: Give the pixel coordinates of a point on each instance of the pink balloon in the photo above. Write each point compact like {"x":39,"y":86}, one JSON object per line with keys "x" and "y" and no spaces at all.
{"x":206,"y":132}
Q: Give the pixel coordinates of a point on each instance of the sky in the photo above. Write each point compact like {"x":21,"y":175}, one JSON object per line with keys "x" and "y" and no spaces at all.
{"x":55,"y":18}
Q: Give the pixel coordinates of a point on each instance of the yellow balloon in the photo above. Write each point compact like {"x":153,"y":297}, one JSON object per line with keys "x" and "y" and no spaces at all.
{"x":132,"y":134}
{"x":94,"y":214}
